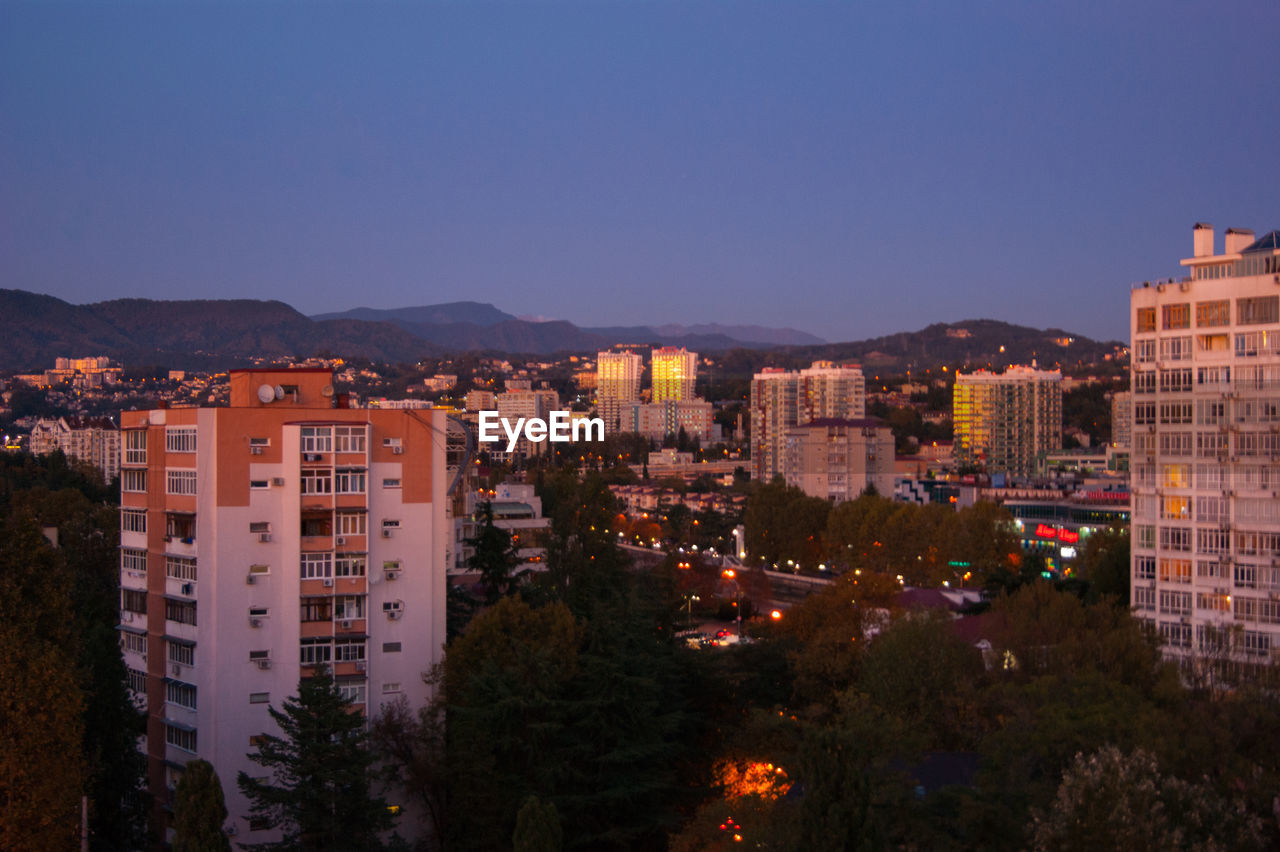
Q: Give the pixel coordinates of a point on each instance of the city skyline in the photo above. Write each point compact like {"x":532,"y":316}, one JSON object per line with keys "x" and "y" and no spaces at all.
{"x":656,"y":162}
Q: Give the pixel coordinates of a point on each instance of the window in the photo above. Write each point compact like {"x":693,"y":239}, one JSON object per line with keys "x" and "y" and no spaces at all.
{"x":180,"y":439}
{"x":313,"y":525}
{"x":349,"y":439}
{"x":133,"y":481}
{"x":135,"y":446}
{"x":1144,"y":535}
{"x":180,"y":568}
{"x":1175,"y":508}
{"x":1176,"y":635}
{"x":348,"y":607}
{"x":133,"y":520}
{"x":1213,"y":602}
{"x":182,"y":612}
{"x":180,"y":482}
{"x":1175,"y":538}
{"x":315,"y":652}
{"x":133,"y":600}
{"x":1146,"y":318}
{"x":1258,"y":310}
{"x":1175,"y":413}
{"x":182,"y":653}
{"x":1251,"y":344}
{"x":351,"y":523}
{"x":181,"y":526}
{"x":1257,"y":610}
{"x":390,"y":647}
{"x":391,"y":524}
{"x":259,"y":612}
{"x":391,"y":483}
{"x":259,"y":527}
{"x":1144,"y":382}
{"x":350,"y":481}
{"x":137,"y":682}
{"x":180,"y":738}
{"x":1212,"y":542}
{"x":259,"y":697}
{"x":1213,"y":342}
{"x":182,"y":694}
{"x":317,"y":482}
{"x":348,"y":650}
{"x":259,"y":442}
{"x":1176,"y":443}
{"x":1256,"y":644}
{"x":1175,"y":603}
{"x":1144,"y":413}
{"x":1245,"y":576}
{"x":135,"y":642}
{"x":317,"y":566}
{"x":1175,"y":570}
{"x":391,"y":442}
{"x":353,"y":693}
{"x":1144,"y":351}
{"x":393,"y":686}
{"x":317,"y":439}
{"x":259,"y":569}
{"x":1175,"y":348}
{"x":349,"y":565}
{"x":1176,"y":316}
{"x":1144,"y":568}
{"x":1214,"y":313}
{"x":1144,"y":598}
{"x":133,"y":562}
{"x":317,"y":609}
{"x":259,"y":484}
{"x":1176,"y":380}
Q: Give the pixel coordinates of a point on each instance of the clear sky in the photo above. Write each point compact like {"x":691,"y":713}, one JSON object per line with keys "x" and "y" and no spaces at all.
{"x":850,"y":169}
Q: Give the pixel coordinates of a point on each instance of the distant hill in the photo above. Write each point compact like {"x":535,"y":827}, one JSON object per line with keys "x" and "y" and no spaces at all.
{"x":36,"y":329}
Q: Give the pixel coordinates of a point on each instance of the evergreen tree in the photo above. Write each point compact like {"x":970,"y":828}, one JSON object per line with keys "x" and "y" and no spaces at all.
{"x":199,"y":811}
{"x":320,"y":796}
{"x":495,"y":557}
{"x":537,"y":827}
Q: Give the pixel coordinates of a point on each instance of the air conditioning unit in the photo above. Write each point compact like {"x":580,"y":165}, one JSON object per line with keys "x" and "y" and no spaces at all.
{"x":340,"y":540}
{"x":254,"y":621}
{"x":345,"y":624}
{"x":249,"y":579}
{"x":188,"y":588}
{"x":264,"y":537}
{"x":328,"y":582}
{"x":311,"y":457}
{"x":1184,"y":286}
{"x":231,"y":830}
{"x":263,"y":664}
{"x":393,"y":575}
{"x":361,"y":665}
{"x":257,"y":451}
{"x":394,"y":615}
{"x":386,"y":532}
{"x":277,"y":480}
{"x":395,"y":451}
{"x":176,"y":669}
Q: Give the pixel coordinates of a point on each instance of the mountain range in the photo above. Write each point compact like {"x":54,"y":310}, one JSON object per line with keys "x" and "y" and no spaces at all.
{"x":217,"y":334}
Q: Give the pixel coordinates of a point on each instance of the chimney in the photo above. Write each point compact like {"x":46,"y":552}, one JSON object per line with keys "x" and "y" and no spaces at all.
{"x":1202,"y":236}
{"x":1237,"y":240}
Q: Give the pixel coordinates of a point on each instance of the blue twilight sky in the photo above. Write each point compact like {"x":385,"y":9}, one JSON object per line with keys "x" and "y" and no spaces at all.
{"x":850,"y":169}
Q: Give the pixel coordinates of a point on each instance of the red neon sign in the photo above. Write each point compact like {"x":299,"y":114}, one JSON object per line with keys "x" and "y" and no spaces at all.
{"x":1045,"y":531}
{"x":1068,"y":537}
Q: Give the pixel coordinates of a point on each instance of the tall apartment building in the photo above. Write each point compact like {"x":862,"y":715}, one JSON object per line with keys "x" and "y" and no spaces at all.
{"x":781,"y":399}
{"x":263,"y":539}
{"x":675,"y":372}
{"x":1206,"y":449}
{"x":657,"y":420}
{"x":617,"y":387}
{"x":92,"y":440}
{"x":1005,"y":422}
{"x":836,"y":459}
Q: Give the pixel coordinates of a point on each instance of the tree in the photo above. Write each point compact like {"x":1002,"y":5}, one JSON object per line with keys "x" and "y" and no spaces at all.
{"x":495,"y":558}
{"x":320,"y":796}
{"x":199,"y":811}
{"x":537,"y":827}
{"x":412,"y":750}
{"x":1126,"y":800}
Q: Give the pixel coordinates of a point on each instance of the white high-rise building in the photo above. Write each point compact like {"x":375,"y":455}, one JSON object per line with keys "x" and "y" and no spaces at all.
{"x":261,"y":540}
{"x":781,"y":399}
{"x":1206,"y":449}
{"x":617,"y":387}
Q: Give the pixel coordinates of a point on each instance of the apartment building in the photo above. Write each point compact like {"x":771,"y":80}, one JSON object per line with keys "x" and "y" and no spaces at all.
{"x":91,"y":440}
{"x":617,"y":387}
{"x":782,"y":399}
{"x":1006,"y":422}
{"x":1205,"y":461}
{"x":674,"y":374}
{"x":263,"y":539}
{"x":836,"y":459}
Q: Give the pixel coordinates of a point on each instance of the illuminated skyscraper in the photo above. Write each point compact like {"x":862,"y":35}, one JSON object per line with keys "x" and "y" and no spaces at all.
{"x":674,"y":373}
{"x":781,"y":399}
{"x":1005,"y":422}
{"x":617,"y":387}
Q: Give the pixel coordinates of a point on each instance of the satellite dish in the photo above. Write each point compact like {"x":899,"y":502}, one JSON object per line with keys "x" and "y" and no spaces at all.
{"x":279,"y":392}
{"x":266,"y":393}
{"x":327,"y":390}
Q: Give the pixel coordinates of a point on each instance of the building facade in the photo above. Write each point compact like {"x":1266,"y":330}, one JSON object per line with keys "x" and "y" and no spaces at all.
{"x":836,"y":459}
{"x":781,"y":399}
{"x":674,"y":374}
{"x":617,"y":387}
{"x":1005,"y":422}
{"x":91,"y":440}
{"x":263,"y":539}
{"x":1205,"y":461}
